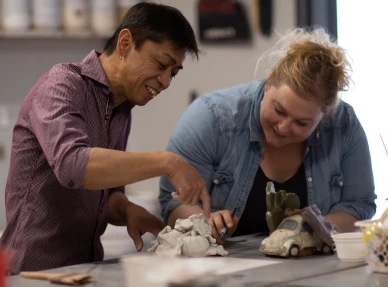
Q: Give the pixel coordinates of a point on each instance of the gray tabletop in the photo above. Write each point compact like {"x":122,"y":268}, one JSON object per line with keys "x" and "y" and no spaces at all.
{"x":359,"y":276}
{"x":325,"y":270}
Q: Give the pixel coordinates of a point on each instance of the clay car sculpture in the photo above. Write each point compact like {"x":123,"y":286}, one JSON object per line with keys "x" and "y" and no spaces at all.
{"x":294,"y":237}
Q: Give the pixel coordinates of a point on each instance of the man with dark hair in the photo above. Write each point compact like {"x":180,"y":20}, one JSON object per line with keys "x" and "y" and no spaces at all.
{"x":156,"y":23}
{"x":68,"y":163}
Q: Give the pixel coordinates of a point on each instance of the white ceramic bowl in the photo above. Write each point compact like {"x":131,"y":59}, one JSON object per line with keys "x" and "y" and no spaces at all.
{"x":350,"y":247}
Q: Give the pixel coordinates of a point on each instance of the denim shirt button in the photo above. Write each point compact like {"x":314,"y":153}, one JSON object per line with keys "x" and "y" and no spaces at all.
{"x":310,"y":179}
{"x":216,"y":181}
{"x":341,"y":183}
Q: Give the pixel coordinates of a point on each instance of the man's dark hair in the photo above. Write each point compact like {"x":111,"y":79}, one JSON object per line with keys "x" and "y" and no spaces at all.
{"x":158,"y":23}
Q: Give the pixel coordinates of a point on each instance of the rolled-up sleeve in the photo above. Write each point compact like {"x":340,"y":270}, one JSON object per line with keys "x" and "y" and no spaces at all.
{"x":57,"y":120}
{"x":195,"y":139}
{"x":358,"y":192}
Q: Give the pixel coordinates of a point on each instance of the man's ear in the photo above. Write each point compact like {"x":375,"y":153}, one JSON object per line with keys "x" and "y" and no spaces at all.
{"x":125,"y":42}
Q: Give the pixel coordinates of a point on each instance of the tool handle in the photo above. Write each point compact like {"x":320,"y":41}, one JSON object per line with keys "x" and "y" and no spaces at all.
{"x":38,"y":275}
{"x":223,"y":231}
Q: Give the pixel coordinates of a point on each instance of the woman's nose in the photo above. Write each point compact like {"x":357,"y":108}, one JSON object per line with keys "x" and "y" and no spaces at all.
{"x":284,"y":127}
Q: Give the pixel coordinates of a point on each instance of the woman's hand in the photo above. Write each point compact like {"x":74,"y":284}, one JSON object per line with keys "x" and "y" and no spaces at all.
{"x":342,"y":221}
{"x":218,"y":220}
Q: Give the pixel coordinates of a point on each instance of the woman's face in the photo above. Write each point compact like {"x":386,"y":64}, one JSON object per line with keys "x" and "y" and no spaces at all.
{"x":287,"y":118}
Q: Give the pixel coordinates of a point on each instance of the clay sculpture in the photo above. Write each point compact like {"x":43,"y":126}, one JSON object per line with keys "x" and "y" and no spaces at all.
{"x":303,"y":232}
{"x":277,"y":204}
{"x":312,"y":215}
{"x":190,"y":237}
{"x":294,"y":237}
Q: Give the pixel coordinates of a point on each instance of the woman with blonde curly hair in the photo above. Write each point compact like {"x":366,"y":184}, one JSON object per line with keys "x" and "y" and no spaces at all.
{"x":290,"y":128}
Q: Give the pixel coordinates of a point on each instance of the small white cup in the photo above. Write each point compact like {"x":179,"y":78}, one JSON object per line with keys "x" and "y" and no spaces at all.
{"x":350,"y":247}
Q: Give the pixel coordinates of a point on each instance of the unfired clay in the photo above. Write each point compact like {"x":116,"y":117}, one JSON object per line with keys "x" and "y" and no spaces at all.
{"x":190,"y":237}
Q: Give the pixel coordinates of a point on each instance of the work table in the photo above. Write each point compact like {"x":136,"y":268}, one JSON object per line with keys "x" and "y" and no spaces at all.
{"x":317,"y":270}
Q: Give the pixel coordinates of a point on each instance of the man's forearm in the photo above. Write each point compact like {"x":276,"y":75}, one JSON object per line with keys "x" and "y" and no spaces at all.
{"x":342,"y":221}
{"x":183,"y":211}
{"x":111,"y":168}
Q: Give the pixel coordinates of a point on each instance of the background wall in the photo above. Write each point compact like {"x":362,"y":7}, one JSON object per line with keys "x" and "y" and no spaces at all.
{"x":220,"y":67}
{"x":23,"y":61}
{"x":366,"y":95}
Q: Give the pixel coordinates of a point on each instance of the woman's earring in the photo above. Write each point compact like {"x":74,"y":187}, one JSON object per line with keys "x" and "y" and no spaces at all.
{"x":121,"y":57}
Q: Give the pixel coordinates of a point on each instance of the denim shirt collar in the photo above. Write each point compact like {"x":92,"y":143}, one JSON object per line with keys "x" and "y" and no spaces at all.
{"x":254,"y":119}
{"x":256,"y":135}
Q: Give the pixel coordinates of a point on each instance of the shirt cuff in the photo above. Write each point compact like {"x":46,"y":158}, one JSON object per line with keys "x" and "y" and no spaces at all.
{"x":353,"y":210}
{"x":75,"y":179}
{"x":170,"y":207}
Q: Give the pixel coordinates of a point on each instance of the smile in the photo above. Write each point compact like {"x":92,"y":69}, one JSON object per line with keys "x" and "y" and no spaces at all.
{"x":152,"y":91}
{"x":279,"y":135}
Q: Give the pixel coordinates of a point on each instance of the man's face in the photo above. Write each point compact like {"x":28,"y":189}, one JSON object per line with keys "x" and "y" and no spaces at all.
{"x":287,"y":118}
{"x":145,"y":72}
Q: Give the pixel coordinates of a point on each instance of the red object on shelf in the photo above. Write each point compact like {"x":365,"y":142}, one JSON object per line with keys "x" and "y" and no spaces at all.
{"x":3,"y":268}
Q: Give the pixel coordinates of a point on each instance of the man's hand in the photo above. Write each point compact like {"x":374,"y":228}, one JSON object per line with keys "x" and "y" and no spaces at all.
{"x":140,"y":221}
{"x":218,"y":220}
{"x":189,"y":184}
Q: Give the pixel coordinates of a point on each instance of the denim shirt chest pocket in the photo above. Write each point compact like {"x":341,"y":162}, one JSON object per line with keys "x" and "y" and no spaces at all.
{"x":336,"y":183}
{"x":222,"y":184}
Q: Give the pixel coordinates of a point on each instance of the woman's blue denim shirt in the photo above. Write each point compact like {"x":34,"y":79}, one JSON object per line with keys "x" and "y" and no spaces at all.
{"x":221,"y":136}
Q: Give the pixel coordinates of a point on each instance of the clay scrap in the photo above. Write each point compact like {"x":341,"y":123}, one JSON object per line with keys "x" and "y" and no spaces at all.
{"x":190,"y":237}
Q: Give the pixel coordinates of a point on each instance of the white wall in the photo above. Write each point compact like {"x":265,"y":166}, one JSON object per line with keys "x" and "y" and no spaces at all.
{"x":23,"y":61}
{"x":365,"y":41}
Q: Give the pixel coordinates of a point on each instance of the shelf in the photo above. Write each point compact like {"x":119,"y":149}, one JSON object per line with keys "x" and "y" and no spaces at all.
{"x":50,"y":34}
